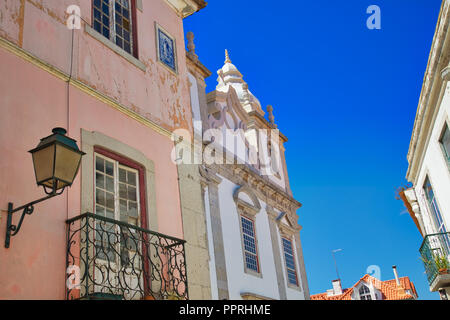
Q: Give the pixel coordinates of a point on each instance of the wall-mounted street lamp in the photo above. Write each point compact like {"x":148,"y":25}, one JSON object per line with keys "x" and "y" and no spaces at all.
{"x":56,"y":161}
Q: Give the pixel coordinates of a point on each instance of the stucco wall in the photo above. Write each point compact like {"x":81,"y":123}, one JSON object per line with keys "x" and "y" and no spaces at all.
{"x":39,"y":26}
{"x":239,"y":281}
{"x":33,"y":102}
{"x":435,"y":166}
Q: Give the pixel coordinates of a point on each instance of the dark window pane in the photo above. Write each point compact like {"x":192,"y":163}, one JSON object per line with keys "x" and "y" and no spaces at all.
{"x":123,"y":207}
{"x":109,"y":184}
{"x":127,"y":47}
{"x":110,"y":200}
{"x":119,"y":42}
{"x":97,"y":26}
{"x":105,"y":9}
{"x":110,"y":214}
{"x":109,"y":168}
{"x":131,"y":178}
{"x":126,"y":35}
{"x":122,"y":175}
{"x":100,"y":210}
{"x":446,"y":142}
{"x":123,"y":191}
{"x":97,"y":14}
{"x":132,"y":193}
{"x":100,"y":164}
{"x":99,"y":180}
{"x":132,"y":209}
{"x":105,"y":21}
{"x":118,"y":7}
{"x":100,"y":197}
{"x":118,"y":30}
{"x":106,"y":32}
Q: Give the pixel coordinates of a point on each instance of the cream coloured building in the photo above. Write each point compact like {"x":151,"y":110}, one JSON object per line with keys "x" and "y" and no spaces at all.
{"x":428,"y":199}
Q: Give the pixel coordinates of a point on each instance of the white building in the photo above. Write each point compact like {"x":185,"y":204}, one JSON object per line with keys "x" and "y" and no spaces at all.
{"x":252,"y":232}
{"x":428,"y":200}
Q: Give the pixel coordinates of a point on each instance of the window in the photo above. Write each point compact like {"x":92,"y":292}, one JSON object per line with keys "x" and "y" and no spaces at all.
{"x":115,"y":20}
{"x":290,"y":262}
{"x":429,"y":194}
{"x":116,"y":197}
{"x":364,"y":293}
{"x":249,"y":240}
{"x":445,"y":142}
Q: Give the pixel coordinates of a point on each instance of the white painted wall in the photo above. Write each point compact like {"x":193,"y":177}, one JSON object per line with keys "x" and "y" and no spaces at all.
{"x":212,"y":265}
{"x":195,"y":104}
{"x":291,"y":294}
{"x":238,"y":280}
{"x":435,"y":166}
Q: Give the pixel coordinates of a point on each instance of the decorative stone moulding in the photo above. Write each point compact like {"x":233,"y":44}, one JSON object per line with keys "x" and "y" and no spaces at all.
{"x":244,"y":206}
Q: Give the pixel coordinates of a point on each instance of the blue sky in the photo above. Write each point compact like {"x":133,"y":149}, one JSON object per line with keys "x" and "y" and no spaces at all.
{"x":346,"y":97}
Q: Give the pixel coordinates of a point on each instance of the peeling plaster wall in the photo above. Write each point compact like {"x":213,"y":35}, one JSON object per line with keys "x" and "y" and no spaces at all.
{"x":33,"y":101}
{"x":38,"y":26}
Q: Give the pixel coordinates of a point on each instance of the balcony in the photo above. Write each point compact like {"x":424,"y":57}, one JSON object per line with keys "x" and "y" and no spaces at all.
{"x":109,"y":259}
{"x":435,"y":256}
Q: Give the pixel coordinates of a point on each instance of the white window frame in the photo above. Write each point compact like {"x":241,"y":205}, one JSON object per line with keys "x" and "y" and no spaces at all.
{"x":292,"y":253}
{"x":112,"y":24}
{"x":244,"y":251}
{"x":117,"y":166}
{"x":367,"y":294}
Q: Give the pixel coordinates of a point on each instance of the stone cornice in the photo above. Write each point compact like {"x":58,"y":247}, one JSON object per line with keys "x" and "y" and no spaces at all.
{"x":185,"y":8}
{"x":196,"y":66}
{"x":209,"y":176}
{"x":262,"y":186}
{"x":243,"y":206}
{"x":263,"y":122}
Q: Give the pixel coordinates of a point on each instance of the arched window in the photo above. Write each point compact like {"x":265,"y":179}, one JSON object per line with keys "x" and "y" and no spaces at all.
{"x":364,"y":293}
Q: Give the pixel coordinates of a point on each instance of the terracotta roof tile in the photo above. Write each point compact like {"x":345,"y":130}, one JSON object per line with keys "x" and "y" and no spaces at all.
{"x":388,"y":289}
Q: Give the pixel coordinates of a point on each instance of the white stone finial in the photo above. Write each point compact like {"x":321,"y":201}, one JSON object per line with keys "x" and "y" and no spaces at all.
{"x":271,"y":117}
{"x":190,"y":45}
{"x":227,"y":57}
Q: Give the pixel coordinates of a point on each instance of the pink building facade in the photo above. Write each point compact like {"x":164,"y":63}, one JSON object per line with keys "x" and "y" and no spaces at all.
{"x":119,"y":86}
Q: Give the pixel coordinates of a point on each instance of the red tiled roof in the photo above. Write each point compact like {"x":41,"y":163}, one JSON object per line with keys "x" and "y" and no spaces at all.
{"x":388,"y":289}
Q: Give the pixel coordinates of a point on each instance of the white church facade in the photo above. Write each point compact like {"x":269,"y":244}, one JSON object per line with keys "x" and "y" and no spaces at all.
{"x":253,"y":237}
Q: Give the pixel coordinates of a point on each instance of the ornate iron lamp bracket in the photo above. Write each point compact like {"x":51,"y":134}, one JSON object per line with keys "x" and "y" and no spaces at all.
{"x":12,"y":230}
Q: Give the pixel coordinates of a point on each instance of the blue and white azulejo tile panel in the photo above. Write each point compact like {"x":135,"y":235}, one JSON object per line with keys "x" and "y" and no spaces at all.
{"x":166,"y":49}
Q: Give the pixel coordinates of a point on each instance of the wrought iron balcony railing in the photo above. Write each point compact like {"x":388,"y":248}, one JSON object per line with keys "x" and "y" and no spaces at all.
{"x":435,"y":253}
{"x":109,"y":259}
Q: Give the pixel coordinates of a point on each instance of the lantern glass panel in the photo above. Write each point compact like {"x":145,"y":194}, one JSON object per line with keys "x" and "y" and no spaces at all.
{"x":66,"y":164}
{"x":43,"y":161}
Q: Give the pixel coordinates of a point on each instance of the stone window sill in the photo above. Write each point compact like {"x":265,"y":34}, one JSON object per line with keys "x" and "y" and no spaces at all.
{"x":294,"y":287}
{"x":93,"y":33}
{"x":253,"y":273}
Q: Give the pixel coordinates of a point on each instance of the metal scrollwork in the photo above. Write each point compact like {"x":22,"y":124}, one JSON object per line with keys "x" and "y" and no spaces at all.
{"x":122,"y":261}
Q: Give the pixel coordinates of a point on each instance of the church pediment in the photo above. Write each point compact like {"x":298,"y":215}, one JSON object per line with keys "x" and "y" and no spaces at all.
{"x":224,"y":108}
